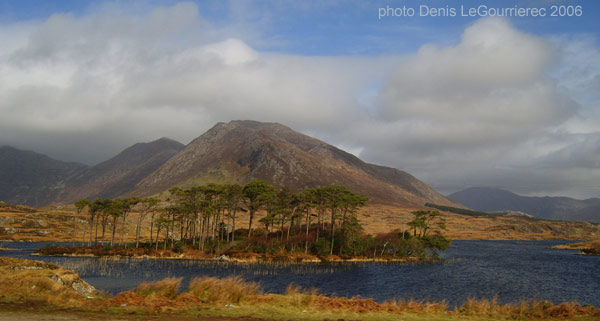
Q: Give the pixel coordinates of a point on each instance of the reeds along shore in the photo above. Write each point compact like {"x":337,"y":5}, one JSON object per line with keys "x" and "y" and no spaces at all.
{"x":234,"y":290}
{"x":49,"y":286}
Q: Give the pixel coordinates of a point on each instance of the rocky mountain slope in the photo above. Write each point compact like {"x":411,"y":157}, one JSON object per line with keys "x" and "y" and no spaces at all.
{"x":240,"y":151}
{"x":118,"y":175}
{"x":31,"y":178}
{"x":556,"y":208}
{"x":234,"y":152}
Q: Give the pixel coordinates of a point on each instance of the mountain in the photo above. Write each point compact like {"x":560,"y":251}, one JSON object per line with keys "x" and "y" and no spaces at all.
{"x":33,"y":179}
{"x":118,"y":175}
{"x":241,"y":151}
{"x":234,"y":152}
{"x":557,"y":208}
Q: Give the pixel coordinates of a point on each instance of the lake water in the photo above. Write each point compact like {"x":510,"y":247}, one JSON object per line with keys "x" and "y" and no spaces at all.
{"x":509,"y":269}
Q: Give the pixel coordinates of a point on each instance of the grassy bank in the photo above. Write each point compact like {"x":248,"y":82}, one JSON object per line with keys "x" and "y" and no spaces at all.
{"x":47,"y":287}
{"x":587,"y":248}
{"x":185,"y":252}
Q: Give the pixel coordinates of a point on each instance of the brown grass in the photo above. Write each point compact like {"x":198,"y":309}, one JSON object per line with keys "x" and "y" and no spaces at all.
{"x":32,"y":281}
{"x":533,"y":309}
{"x":127,"y":298}
{"x":301,"y":297}
{"x":226,"y":290}
{"x":482,"y":307}
{"x":165,"y":288}
{"x":26,"y":280}
{"x":23,"y":281}
{"x":415,"y":306}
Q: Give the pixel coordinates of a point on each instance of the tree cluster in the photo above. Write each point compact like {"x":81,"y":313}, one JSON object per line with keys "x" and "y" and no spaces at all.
{"x":321,"y":220}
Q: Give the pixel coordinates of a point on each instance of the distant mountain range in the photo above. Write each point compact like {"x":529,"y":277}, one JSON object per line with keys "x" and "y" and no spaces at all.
{"x":33,"y":179}
{"x":120,"y":174}
{"x":234,"y":152}
{"x":487,"y":199}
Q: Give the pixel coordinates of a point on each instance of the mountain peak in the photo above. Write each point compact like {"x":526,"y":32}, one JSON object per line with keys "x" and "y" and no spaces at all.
{"x":121,"y":173}
{"x":254,"y":124}
{"x":242,"y":150}
{"x":251,"y":125}
{"x":166,"y":140}
{"x":238,"y":151}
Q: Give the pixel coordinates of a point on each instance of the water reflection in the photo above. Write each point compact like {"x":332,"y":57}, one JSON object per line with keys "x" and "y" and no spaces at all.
{"x":157,"y":268}
{"x":482,"y":269}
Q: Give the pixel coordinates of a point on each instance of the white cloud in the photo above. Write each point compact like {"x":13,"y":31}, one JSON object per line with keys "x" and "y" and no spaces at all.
{"x":84,"y":87}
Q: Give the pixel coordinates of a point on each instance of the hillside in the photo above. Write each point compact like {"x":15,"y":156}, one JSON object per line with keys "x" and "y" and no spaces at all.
{"x":555,"y":208}
{"x":241,"y":151}
{"x":234,"y":152}
{"x":31,"y":178}
{"x":121,"y":173}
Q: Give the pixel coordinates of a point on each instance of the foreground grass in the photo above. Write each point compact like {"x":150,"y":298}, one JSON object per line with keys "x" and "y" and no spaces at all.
{"x":44,"y":288}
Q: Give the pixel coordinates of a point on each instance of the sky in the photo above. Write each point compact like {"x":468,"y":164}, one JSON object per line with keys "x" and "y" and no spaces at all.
{"x":511,"y":102}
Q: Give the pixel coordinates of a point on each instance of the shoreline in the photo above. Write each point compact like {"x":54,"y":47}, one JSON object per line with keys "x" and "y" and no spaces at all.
{"x":591,"y":248}
{"x":565,"y":239}
{"x":255,"y":259}
{"x":46,"y":287}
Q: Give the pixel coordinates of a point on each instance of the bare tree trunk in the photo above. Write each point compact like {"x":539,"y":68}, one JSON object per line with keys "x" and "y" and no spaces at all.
{"x":318,"y":224}
{"x":138,"y":229}
{"x":281,"y":227}
{"x":114,"y":229}
{"x":166,"y":238}
{"x":332,"y":238}
{"x":96,"y":236}
{"x":233,"y":225}
{"x":83,"y":235}
{"x":172,"y":230}
{"x":157,"y":236}
{"x":152,"y":225}
{"x":181,"y":228}
{"x":123,"y":228}
{"x":202,"y":224}
{"x":289,"y":228}
{"x":104,"y":223}
{"x":250,"y":223}
{"x":228,"y":225}
{"x":195,"y":223}
{"x":91,"y":231}
{"x":307,"y":229}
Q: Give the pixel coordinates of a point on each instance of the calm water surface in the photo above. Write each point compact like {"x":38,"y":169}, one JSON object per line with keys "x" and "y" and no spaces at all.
{"x":511,"y":270}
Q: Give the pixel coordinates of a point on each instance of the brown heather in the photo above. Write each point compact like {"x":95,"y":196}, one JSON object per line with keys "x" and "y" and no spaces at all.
{"x":226,"y":290}
{"x":165,"y":288}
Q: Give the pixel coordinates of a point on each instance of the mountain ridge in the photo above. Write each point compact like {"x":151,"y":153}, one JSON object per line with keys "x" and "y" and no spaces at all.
{"x":117,"y":175}
{"x":234,"y":152}
{"x":488,"y":199}
{"x":242,"y":150}
{"x":32,"y":178}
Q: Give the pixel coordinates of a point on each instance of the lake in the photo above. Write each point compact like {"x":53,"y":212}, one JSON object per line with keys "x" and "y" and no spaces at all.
{"x":509,"y":269}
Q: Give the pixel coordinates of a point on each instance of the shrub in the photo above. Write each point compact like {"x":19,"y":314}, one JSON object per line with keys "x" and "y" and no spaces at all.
{"x":227,"y":290}
{"x":323,"y":247}
{"x":165,"y":288}
{"x":178,"y":247}
{"x":299,"y":296}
